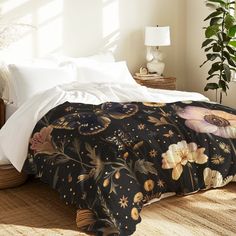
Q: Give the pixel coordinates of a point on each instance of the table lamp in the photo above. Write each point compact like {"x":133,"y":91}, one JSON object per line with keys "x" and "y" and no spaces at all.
{"x":154,"y":38}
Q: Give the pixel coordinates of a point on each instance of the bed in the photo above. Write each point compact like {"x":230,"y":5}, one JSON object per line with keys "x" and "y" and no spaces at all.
{"x":109,"y":148}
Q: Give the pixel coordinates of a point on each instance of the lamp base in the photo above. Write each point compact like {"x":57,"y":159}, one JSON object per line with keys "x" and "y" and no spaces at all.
{"x":155,"y":66}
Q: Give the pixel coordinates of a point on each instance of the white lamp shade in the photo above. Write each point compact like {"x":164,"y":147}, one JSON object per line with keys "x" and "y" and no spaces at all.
{"x":157,"y":36}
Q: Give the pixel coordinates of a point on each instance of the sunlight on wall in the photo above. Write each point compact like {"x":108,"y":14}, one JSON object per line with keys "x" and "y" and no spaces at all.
{"x":23,"y":46}
{"x":50,"y":31}
{"x":44,"y":33}
{"x":10,"y":5}
{"x":110,"y":24}
{"x":47,"y":17}
{"x":110,"y":17}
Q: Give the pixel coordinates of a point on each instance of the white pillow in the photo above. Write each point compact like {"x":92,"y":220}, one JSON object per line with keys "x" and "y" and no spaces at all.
{"x":27,"y":80}
{"x":95,"y":72}
{"x":7,"y":90}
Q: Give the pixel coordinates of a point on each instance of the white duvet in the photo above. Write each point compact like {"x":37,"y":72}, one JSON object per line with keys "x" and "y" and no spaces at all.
{"x":15,"y":134}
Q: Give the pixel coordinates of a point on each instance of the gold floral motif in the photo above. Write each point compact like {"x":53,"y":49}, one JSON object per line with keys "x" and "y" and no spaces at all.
{"x":141,"y":126}
{"x":157,"y":122}
{"x":161,"y":183}
{"x":126,"y":154}
{"x":149,"y":185}
{"x":178,"y":155}
{"x":134,"y":213}
{"x":106,"y":183}
{"x":69,"y":178}
{"x":117,"y":175}
{"x":123,"y":202}
{"x":217,"y":159}
{"x":169,"y":134}
{"x":154,"y":104}
{"x":225,"y":147}
{"x":138,"y":197}
{"x":153,"y":153}
{"x":212,"y":178}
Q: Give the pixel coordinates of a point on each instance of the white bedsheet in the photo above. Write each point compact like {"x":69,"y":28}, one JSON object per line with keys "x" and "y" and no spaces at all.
{"x":15,"y":134}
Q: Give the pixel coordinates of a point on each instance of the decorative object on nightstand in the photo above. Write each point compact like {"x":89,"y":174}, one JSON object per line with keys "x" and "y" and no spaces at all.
{"x":154,"y":38}
{"x":9,"y":176}
{"x":155,"y":81}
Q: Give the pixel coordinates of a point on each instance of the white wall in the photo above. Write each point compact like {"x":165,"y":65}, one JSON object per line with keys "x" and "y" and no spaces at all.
{"x":85,"y":27}
{"x":196,"y":76}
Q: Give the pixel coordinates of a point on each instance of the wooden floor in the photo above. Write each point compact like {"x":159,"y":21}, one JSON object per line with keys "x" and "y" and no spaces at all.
{"x":35,"y":209}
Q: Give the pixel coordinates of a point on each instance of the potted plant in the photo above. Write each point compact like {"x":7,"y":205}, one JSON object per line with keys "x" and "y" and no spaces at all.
{"x":220,"y":45}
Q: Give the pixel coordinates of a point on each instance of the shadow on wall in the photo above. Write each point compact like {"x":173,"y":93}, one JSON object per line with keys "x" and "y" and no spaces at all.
{"x":85,"y":27}
{"x":60,"y":24}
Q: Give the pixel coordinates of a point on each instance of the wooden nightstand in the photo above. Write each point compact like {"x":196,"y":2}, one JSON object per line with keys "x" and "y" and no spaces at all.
{"x":153,"y":81}
{"x":9,"y":176}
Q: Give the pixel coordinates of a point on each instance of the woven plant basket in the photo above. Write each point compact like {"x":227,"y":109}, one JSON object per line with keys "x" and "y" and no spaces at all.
{"x":10,"y":177}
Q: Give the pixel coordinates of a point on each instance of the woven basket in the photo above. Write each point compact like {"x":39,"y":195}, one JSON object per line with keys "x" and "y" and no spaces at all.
{"x":160,"y":83}
{"x":10,"y":177}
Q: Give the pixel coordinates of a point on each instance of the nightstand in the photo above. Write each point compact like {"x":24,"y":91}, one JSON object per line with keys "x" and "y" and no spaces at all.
{"x":153,"y":81}
{"x":9,"y":176}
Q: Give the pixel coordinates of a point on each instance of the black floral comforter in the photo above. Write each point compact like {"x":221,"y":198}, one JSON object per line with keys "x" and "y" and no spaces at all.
{"x":110,"y":159}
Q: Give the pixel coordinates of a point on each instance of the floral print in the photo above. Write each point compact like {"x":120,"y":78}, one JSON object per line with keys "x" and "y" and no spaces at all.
{"x":110,"y":159}
{"x":178,"y":155}
{"x":123,"y":202}
{"x":213,"y":178}
{"x":204,"y":120}
{"x":42,"y":141}
{"x":153,"y":153}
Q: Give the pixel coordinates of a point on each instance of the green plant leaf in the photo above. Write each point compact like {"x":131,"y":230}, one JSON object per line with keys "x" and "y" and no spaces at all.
{"x":233,"y":58}
{"x":233,"y":43}
{"x":229,"y":21}
{"x":216,"y":20}
{"x":211,"y":86}
{"x":223,"y":38}
{"x":203,"y":63}
{"x":212,"y":56}
{"x":231,"y":62}
{"x":206,"y":42}
{"x":214,"y":67}
{"x":212,"y":31}
{"x":216,"y":47}
{"x":213,"y":14}
{"x":211,"y":76}
{"x":208,"y":48}
{"x":231,"y":50}
{"x":226,"y":55}
{"x":232,"y":31}
{"x":218,"y":1}
{"x":222,"y":85}
{"x":227,"y":72}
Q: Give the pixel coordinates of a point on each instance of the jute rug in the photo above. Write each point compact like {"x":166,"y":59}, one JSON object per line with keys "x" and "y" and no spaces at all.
{"x":34,"y":209}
